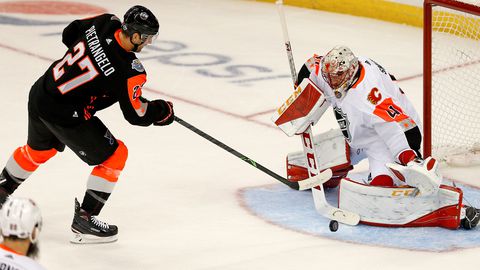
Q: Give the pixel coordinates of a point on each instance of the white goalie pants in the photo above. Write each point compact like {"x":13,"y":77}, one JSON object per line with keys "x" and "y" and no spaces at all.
{"x":378,"y":156}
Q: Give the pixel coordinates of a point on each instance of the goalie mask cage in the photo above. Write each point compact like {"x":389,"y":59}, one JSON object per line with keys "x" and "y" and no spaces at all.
{"x":451,"y":77}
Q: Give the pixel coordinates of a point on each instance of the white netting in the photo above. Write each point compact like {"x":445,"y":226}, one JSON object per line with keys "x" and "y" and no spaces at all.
{"x":455,"y":82}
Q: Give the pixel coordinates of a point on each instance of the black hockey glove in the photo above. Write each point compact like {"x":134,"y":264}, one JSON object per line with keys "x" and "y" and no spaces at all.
{"x":166,"y":115}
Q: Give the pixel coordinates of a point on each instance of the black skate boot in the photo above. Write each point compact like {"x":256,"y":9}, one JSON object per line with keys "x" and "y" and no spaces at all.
{"x":472,"y":216}
{"x":88,"y":229}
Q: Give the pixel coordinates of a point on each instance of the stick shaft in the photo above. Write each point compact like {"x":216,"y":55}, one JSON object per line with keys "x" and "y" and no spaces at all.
{"x":293,"y":185}
{"x":286,"y":39}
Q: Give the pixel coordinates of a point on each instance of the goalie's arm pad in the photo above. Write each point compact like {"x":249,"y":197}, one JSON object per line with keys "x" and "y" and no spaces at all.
{"x":304,"y":107}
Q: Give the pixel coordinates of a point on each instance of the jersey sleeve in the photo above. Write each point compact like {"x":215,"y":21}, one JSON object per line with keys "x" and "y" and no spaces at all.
{"x":136,"y":109}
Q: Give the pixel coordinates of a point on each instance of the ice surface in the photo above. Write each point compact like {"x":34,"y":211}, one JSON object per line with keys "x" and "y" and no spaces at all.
{"x":223,"y":65}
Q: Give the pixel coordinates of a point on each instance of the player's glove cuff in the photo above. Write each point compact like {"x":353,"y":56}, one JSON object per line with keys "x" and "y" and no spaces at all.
{"x":166,"y":115}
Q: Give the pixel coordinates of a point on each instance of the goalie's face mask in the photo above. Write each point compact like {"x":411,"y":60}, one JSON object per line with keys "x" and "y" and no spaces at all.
{"x":338,"y":69}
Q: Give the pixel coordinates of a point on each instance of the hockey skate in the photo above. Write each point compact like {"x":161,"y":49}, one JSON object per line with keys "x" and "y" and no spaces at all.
{"x":472,"y":216}
{"x":88,"y":229}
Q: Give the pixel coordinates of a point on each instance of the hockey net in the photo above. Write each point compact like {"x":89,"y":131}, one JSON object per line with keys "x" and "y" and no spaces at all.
{"x":452,"y":81}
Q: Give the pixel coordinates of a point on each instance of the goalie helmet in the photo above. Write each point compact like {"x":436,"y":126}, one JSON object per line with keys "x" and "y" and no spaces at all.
{"x":139,"y":19}
{"x":20,"y":217}
{"x":339,"y":67}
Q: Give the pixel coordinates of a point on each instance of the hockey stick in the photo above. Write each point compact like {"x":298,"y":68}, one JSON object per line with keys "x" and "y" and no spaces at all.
{"x":319,"y":199}
{"x":300,"y":185}
{"x":321,"y":204}
{"x":288,"y":46}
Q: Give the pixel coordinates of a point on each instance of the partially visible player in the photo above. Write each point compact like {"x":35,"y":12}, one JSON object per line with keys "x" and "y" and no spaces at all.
{"x":377,"y":120}
{"x":21,"y":223}
{"x":98,"y":70}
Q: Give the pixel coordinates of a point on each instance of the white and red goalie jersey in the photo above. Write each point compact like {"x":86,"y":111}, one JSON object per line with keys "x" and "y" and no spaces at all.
{"x":374,"y":115}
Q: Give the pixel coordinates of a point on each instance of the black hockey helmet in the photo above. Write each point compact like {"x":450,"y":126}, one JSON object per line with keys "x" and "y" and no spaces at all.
{"x":139,"y":19}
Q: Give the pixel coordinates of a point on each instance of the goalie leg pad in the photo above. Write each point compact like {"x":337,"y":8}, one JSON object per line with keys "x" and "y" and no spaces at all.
{"x":332,"y":152}
{"x":397,"y":207}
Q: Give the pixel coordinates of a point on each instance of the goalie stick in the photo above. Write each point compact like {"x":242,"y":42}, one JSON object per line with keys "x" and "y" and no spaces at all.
{"x":300,"y":185}
{"x":321,"y":204}
{"x":318,"y":193}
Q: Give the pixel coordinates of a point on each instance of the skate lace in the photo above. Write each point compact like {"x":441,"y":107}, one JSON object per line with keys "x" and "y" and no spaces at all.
{"x":99,"y":223}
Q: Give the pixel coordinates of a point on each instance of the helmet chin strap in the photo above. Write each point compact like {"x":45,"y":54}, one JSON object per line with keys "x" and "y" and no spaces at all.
{"x":135,"y":46}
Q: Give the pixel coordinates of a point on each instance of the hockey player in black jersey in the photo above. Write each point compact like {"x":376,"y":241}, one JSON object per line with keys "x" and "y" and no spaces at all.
{"x":98,"y":70}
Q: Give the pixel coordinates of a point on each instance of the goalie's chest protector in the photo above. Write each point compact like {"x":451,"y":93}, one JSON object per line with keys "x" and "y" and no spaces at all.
{"x":373,"y":99}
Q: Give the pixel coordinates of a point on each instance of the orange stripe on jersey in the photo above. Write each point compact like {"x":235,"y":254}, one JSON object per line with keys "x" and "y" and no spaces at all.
{"x":111,"y":168}
{"x":117,"y":38}
{"x":134,"y":85}
{"x":9,"y":249}
{"x":389,"y":111}
{"x":29,"y":159}
{"x":362,"y":76}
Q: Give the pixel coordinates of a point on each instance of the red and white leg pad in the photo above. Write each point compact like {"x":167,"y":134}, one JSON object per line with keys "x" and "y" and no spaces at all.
{"x":332,"y":152}
{"x":398,"y":207}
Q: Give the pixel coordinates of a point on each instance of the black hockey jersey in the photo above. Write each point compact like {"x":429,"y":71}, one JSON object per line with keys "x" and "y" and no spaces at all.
{"x":95,"y":73}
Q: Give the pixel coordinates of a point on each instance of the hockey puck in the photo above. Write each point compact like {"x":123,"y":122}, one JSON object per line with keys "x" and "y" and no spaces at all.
{"x":333,"y":225}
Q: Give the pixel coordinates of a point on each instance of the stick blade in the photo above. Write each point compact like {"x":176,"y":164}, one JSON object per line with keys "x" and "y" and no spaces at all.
{"x":343,"y":216}
{"x":317,"y":180}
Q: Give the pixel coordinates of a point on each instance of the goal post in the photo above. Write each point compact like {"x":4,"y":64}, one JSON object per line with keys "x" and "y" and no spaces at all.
{"x":451,"y":108}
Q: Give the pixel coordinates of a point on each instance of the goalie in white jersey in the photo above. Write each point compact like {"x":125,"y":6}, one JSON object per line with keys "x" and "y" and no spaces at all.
{"x":20,"y":222}
{"x":377,"y":121}
{"x":374,"y":114}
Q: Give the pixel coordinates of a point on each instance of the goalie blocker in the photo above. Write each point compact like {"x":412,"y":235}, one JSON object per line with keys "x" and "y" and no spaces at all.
{"x":303,"y":108}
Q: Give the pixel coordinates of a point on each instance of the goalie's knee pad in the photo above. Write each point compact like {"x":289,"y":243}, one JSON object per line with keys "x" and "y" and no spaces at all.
{"x":332,"y":153}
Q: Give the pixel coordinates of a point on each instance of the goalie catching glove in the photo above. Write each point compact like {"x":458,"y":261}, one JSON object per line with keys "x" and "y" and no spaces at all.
{"x":166,"y":115}
{"x":418,"y":173}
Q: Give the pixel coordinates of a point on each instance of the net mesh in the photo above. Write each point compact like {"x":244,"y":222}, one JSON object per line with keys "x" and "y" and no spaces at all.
{"x":455,"y":81}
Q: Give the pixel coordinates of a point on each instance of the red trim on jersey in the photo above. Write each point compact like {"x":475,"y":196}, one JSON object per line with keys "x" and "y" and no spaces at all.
{"x":317,"y":64}
{"x":10,"y":250}
{"x":117,"y":38}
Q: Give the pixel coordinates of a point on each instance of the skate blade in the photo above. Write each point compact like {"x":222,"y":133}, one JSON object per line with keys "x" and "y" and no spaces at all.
{"x":80,"y":238}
